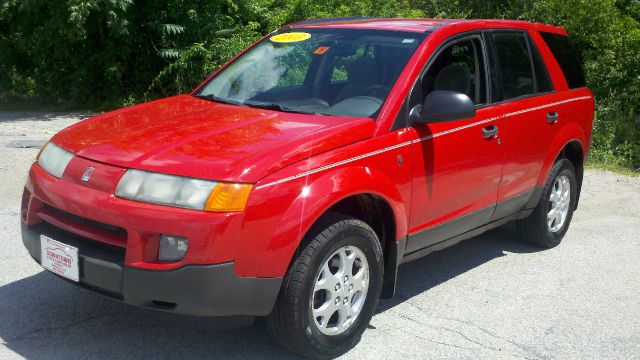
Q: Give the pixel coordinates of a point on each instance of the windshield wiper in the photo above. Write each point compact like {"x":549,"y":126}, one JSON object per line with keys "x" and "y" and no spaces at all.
{"x":278,"y":107}
{"x":261,"y":105}
{"x":216,"y":98}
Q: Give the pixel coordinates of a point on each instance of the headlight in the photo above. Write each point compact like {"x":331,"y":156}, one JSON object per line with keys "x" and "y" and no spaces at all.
{"x":182,"y":192}
{"x":54,"y":159}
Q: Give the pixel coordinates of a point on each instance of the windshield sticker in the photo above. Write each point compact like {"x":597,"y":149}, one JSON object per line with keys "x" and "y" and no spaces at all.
{"x":290,"y":37}
{"x":408,"y":41}
{"x":321,"y":50}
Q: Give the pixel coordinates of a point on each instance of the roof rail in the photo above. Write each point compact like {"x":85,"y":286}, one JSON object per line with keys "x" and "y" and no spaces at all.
{"x":333,"y":19}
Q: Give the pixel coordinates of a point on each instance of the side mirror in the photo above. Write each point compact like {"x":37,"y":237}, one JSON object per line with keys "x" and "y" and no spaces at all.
{"x":441,"y":106}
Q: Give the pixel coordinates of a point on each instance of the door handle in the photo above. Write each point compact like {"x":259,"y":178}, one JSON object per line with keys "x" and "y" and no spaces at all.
{"x":552,"y":117}
{"x":489,"y":132}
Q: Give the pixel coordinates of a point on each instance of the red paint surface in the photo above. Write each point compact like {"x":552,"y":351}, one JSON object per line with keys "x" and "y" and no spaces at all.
{"x":440,"y":179}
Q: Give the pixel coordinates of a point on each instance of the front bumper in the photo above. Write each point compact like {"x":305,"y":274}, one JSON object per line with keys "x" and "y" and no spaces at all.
{"x":201,"y":290}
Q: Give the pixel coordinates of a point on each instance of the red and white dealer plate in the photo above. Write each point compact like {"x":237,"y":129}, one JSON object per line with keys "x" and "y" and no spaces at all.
{"x":59,"y":258}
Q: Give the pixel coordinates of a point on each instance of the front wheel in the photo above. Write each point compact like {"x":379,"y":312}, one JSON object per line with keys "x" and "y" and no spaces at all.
{"x":550,"y":220}
{"x":330,"y":292}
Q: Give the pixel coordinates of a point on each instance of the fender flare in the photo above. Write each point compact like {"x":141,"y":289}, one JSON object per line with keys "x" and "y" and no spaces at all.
{"x":313,"y":202}
{"x":567,"y":134}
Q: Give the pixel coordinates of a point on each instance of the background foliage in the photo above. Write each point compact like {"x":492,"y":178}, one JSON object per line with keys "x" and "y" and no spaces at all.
{"x":103,"y":54}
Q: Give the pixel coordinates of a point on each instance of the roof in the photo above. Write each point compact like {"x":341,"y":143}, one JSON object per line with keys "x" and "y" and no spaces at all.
{"x":398,"y":24}
{"x":414,"y":25}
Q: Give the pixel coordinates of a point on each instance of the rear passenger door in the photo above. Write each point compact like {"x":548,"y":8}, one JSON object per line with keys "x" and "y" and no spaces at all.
{"x":523,"y":92}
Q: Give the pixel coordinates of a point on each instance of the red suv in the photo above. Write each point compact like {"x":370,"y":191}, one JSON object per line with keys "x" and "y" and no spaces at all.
{"x":293,"y":182}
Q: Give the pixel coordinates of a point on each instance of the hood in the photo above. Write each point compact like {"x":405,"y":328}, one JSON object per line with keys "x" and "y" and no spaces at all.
{"x":187,"y":136}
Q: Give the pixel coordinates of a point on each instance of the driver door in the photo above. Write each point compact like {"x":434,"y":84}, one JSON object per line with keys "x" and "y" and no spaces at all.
{"x":456,"y":164}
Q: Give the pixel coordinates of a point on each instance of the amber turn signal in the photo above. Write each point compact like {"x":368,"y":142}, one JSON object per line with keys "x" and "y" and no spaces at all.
{"x":227,"y":197}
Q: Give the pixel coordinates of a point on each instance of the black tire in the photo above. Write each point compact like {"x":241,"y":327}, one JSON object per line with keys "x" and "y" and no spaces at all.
{"x":534,"y":229}
{"x":291,"y":323}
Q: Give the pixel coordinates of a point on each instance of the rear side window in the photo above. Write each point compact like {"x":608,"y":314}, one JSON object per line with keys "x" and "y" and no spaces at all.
{"x":516,"y":77}
{"x":519,"y":70}
{"x":568,"y":58}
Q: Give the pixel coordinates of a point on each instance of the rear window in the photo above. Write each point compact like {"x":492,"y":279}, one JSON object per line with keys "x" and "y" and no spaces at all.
{"x":568,"y":58}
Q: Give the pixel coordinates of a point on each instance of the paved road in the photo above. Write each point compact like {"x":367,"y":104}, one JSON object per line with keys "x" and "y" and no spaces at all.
{"x":490,"y":297}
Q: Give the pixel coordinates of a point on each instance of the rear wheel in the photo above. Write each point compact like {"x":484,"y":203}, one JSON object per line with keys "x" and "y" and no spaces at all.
{"x":330,"y":292}
{"x":549,"y":222}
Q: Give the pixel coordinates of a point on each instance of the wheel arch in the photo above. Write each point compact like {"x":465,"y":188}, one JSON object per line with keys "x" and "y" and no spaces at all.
{"x":574,"y":152}
{"x":376,"y":212}
{"x":568,"y":144}
{"x":365,"y":194}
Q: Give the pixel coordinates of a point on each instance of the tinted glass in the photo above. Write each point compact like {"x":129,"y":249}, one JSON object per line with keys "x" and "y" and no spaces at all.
{"x":568,"y":58}
{"x":342,"y":72}
{"x":458,"y":67}
{"x":543,"y":81}
{"x":514,"y":64}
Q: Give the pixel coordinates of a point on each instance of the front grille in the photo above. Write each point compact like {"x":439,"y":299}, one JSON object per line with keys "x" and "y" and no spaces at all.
{"x":78,"y":225}
{"x":114,"y":230}
{"x":86,"y":247}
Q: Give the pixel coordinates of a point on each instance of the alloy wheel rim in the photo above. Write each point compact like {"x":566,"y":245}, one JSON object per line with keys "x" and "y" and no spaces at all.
{"x":559,"y":202}
{"x":340,"y":290}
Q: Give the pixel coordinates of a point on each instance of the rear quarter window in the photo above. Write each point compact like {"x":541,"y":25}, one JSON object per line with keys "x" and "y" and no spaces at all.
{"x":567,"y":57}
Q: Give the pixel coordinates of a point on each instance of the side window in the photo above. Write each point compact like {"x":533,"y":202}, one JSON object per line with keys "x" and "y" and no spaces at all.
{"x":458,"y":67}
{"x":516,"y":76}
{"x":568,"y":59}
{"x":543,"y":81}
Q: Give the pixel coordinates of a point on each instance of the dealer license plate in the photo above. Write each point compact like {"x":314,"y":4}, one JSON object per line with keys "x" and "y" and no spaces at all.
{"x":59,"y":258}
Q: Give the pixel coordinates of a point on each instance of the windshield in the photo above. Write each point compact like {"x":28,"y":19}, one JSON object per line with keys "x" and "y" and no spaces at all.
{"x":343,"y":72}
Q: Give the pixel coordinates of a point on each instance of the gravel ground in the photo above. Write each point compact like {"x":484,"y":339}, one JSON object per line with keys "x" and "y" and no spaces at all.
{"x":490,"y":297}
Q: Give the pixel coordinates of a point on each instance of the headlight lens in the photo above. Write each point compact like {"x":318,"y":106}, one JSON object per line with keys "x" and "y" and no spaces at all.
{"x":182,"y":192}
{"x":54,"y":159}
